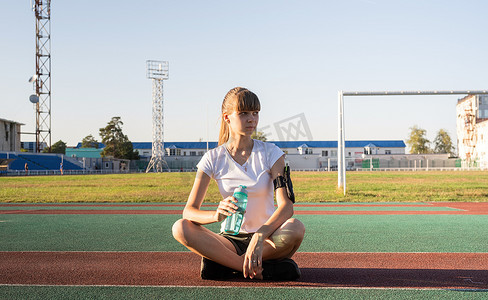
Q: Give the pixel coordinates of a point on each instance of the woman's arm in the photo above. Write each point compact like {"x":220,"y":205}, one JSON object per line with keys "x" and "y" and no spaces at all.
{"x":192,"y":209}
{"x":284,"y":212}
{"x":285,"y":205}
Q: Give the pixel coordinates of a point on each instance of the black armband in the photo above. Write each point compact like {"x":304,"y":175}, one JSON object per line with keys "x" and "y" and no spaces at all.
{"x":285,"y":181}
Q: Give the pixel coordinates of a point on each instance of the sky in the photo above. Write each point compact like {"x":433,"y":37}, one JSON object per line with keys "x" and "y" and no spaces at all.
{"x":295,"y":55}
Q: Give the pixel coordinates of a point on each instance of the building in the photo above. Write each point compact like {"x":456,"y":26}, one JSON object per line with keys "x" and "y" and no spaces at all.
{"x":83,"y":152}
{"x":91,"y":159}
{"x":175,"y":148}
{"x":10,"y":135}
{"x":300,"y":155}
{"x":323,"y":154}
{"x":31,"y":146}
{"x":472,"y":130}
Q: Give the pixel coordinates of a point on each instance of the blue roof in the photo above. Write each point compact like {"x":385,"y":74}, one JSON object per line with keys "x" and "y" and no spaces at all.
{"x":371,"y":145}
{"x":382,"y":144}
{"x":178,"y":145}
{"x":333,"y":144}
{"x":281,"y":144}
{"x":100,"y":145}
{"x":290,"y":144}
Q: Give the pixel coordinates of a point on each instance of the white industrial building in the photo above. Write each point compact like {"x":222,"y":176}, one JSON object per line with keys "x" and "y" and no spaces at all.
{"x":9,"y":135}
{"x":300,"y":155}
{"x":472,"y":130}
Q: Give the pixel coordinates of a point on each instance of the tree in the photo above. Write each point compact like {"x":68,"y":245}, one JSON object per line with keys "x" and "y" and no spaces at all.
{"x":58,"y":147}
{"x":127,"y":150}
{"x":89,"y":142}
{"x":259,"y":135}
{"x":417,"y":141}
{"x":443,"y":143}
{"x":117,"y":144}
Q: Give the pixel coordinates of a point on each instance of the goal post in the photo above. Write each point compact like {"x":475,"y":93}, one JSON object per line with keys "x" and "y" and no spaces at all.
{"x":341,"y":136}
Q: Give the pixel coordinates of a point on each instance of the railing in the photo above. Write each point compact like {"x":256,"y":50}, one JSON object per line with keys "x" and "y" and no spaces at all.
{"x":94,"y":172}
{"x":80,"y":172}
{"x":417,"y":169}
{"x":57,"y":172}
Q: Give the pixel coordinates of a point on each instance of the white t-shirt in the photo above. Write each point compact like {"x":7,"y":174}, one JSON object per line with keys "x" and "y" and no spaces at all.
{"x":255,"y":174}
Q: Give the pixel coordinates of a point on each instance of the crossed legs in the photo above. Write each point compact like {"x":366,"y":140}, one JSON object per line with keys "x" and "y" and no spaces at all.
{"x":283,"y":243}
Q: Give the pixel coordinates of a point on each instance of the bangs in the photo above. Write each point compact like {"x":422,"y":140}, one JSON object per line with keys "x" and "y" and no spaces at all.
{"x":247,"y":101}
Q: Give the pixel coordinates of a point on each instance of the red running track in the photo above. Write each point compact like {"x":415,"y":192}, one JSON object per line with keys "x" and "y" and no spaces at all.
{"x":351,"y":270}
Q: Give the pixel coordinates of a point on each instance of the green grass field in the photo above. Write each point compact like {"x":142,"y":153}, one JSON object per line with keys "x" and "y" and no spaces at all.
{"x":309,"y":187}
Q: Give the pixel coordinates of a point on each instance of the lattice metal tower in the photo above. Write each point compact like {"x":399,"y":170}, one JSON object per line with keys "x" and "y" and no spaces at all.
{"x":157,"y":71}
{"x":42,"y":10}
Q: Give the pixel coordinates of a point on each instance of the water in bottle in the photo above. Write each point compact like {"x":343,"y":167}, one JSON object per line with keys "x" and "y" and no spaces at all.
{"x":233,"y":223}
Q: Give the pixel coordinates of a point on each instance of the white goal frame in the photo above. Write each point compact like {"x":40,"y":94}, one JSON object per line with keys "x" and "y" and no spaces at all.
{"x":341,"y":140}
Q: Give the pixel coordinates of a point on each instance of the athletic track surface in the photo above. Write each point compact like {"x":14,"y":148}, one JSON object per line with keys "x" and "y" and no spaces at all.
{"x":329,"y":269}
{"x":458,"y":208}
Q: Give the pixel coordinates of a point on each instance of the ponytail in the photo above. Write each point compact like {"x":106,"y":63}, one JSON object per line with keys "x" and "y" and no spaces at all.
{"x":224,"y":131}
{"x":237,"y":99}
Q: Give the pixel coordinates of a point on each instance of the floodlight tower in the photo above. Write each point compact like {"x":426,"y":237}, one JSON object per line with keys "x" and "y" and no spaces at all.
{"x":42,"y":10}
{"x":157,"y":71}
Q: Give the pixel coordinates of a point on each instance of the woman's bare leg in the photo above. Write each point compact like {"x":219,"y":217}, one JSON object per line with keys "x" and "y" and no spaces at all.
{"x":208,"y":244}
{"x":285,"y":241}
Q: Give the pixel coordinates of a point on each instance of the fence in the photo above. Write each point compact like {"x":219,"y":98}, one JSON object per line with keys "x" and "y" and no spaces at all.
{"x":81,"y":172}
{"x":377,"y":164}
{"x":189,"y":165}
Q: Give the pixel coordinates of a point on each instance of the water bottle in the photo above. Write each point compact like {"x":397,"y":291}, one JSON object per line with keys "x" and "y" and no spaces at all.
{"x":233,"y":223}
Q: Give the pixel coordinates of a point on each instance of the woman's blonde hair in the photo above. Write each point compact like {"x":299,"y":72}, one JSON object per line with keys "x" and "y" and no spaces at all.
{"x":237,"y":99}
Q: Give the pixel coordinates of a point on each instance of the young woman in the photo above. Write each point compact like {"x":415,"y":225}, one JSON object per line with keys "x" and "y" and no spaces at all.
{"x":268,"y":237}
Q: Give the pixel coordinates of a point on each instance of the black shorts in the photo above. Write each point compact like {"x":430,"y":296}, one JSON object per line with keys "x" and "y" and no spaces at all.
{"x":240,"y":241}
